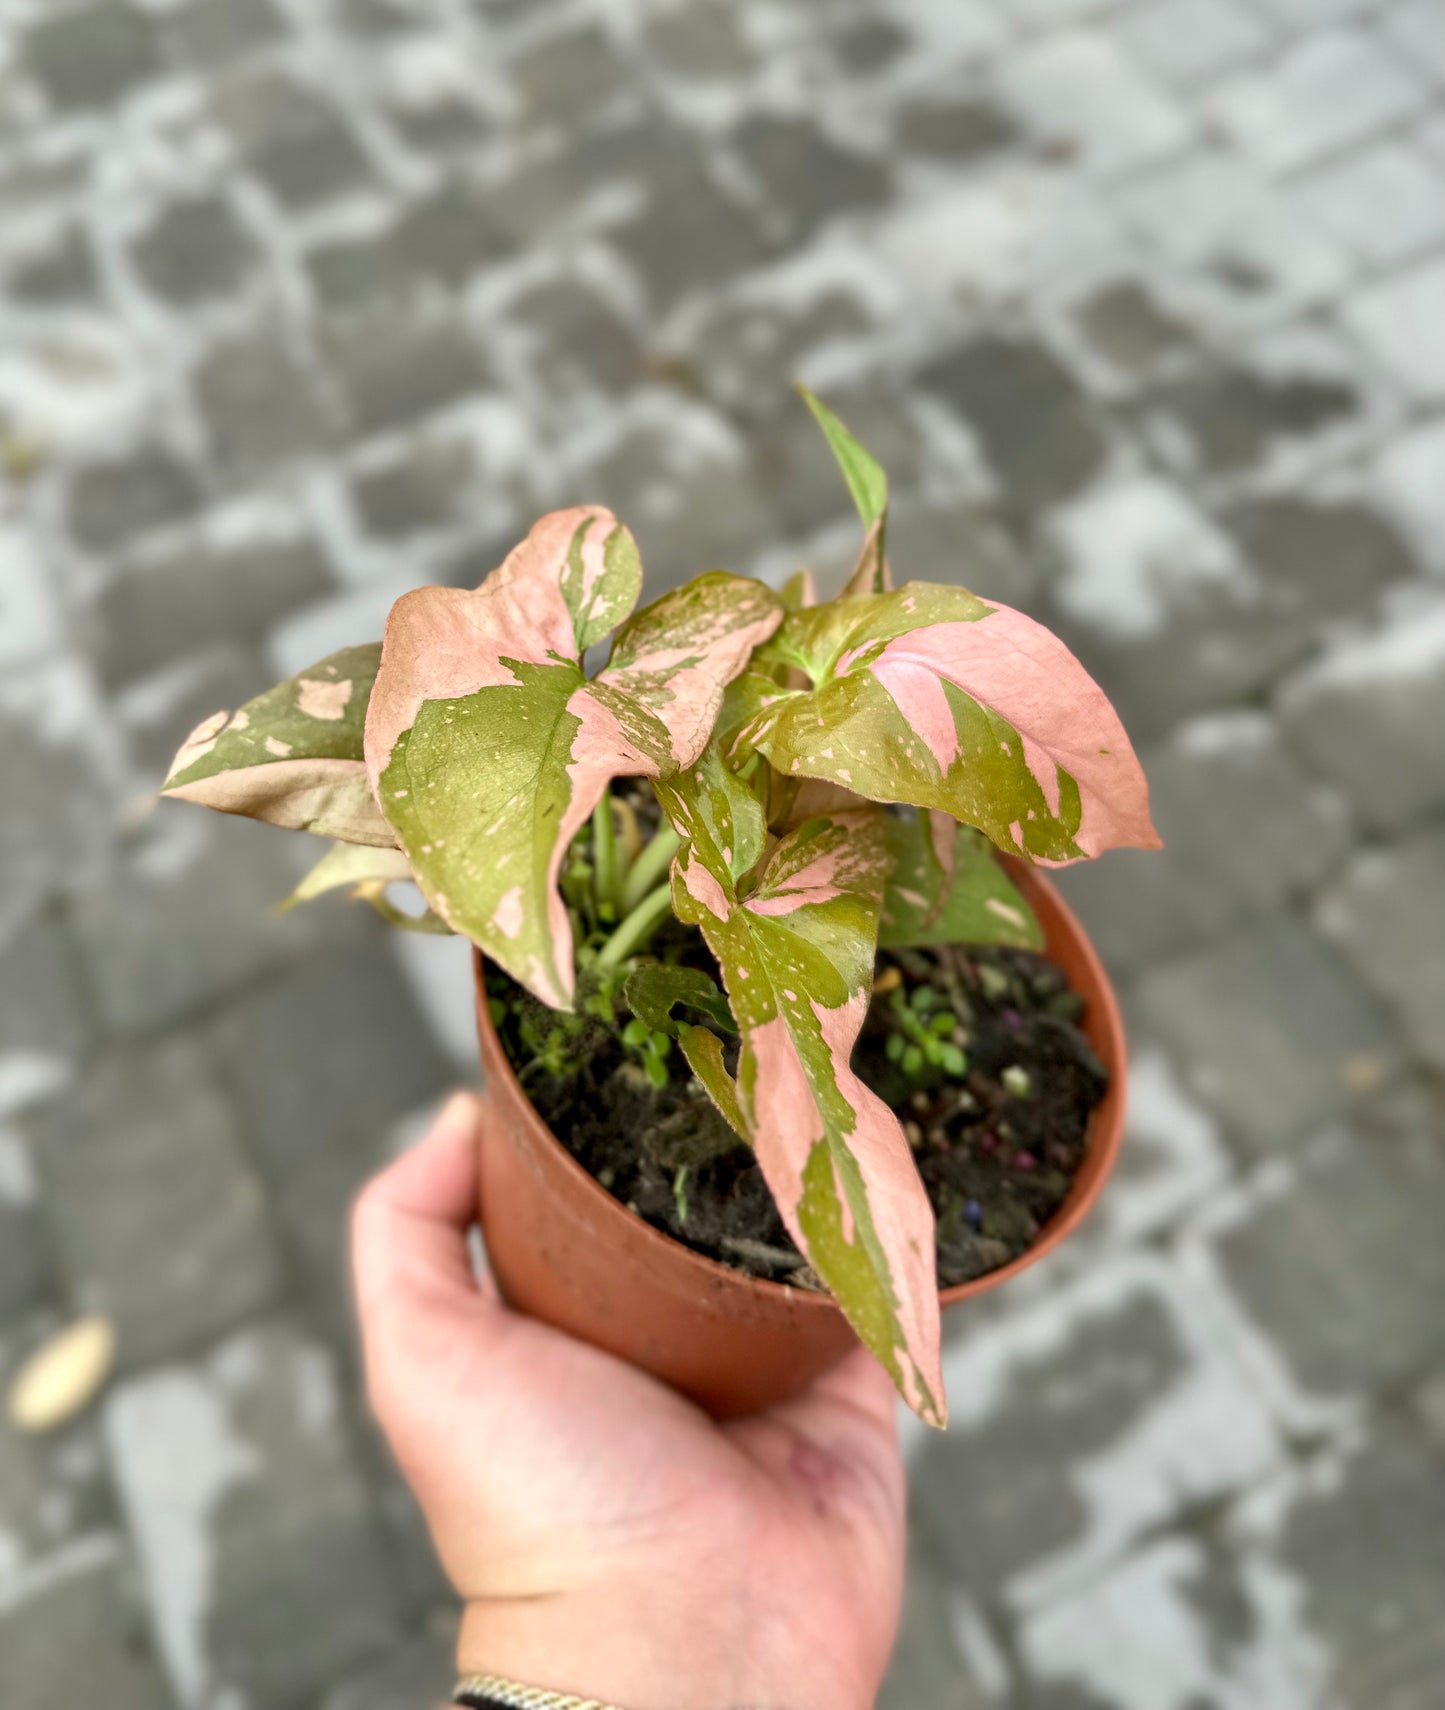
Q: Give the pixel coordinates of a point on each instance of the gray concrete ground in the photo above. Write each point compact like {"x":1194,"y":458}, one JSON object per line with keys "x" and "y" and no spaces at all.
{"x":307,"y":301}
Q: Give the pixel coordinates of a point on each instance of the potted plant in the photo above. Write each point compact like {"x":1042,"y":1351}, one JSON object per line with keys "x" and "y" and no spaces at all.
{"x":762,"y":1016}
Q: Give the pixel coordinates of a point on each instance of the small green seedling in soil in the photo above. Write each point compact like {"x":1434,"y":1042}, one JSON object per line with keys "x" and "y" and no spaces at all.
{"x":752,"y":785}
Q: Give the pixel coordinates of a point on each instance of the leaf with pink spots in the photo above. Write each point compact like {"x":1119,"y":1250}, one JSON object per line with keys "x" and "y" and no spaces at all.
{"x":488,"y":747}
{"x":932,"y":696}
{"x":292,"y":756}
{"x":795,"y":942}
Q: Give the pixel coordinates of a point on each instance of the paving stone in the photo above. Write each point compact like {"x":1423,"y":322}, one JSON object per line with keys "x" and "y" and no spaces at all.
{"x":1330,"y":90}
{"x":1030,"y":415}
{"x":445,"y":128}
{"x":190,"y":918}
{"x":111,"y":502}
{"x":1384,"y":205}
{"x":955,"y":129}
{"x":159,"y":711}
{"x":24,"y":1271}
{"x":338,"y":1054}
{"x":968,"y":547}
{"x":63,"y":274}
{"x":1368,"y":716}
{"x":161,"y":1222}
{"x":260,"y":408}
{"x":926,"y":1668}
{"x":1357,"y":1207}
{"x":200,"y":595}
{"x":92,"y":57}
{"x":195,"y":250}
{"x":1217,"y":774}
{"x":691,"y":508}
{"x":562,"y":184}
{"x":573,"y":75}
{"x":395,"y":373}
{"x":417,"y":1671}
{"x":701,"y":41}
{"x":1187,"y":1621}
{"x":1418,"y":31}
{"x":870,"y":44}
{"x":1077,"y":92}
{"x":1191,"y":42}
{"x":742,"y":347}
{"x":30,"y":617}
{"x":1078,"y":1423}
{"x":1143,"y":577}
{"x":1385,"y":915}
{"x":1408,"y":481}
{"x":1239,"y":239}
{"x":1371,"y":1557}
{"x":1400,"y":322}
{"x":690,"y":233}
{"x":46,"y":1031}
{"x":292,"y":139}
{"x":577,"y":341}
{"x":57,"y":830}
{"x":77,"y":1621}
{"x":212,"y":33}
{"x":240,"y":1463}
{"x":1269,"y":1030}
{"x":1230,"y":417}
{"x":1127,"y":326}
{"x":425,"y":489}
{"x":805,"y":174}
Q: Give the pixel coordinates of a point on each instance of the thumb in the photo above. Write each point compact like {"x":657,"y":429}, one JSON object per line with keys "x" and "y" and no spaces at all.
{"x":409,"y":1226}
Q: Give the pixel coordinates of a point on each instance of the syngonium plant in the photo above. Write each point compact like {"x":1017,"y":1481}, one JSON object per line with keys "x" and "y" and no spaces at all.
{"x":471,"y":747}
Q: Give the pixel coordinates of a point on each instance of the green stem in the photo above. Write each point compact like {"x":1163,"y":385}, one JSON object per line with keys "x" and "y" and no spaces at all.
{"x":637,"y":927}
{"x":606,"y":881}
{"x":650,"y":865}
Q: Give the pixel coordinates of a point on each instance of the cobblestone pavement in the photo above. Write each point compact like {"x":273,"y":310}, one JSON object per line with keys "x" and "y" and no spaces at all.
{"x":1143,"y":305}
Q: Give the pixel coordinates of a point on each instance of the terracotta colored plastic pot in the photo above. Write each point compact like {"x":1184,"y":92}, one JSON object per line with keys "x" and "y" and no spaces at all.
{"x":565,"y":1251}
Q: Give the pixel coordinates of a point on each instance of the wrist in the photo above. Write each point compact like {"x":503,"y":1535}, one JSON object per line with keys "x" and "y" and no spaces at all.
{"x":656,"y":1650}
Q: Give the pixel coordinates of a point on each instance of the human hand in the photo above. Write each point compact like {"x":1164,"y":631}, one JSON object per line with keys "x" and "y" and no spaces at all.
{"x":607,"y":1537}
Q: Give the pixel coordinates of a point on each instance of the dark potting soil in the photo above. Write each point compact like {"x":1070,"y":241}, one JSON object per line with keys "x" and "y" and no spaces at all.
{"x":997,"y":1130}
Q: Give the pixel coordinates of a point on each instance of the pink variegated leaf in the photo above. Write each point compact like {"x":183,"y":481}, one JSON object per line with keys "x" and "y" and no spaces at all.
{"x":488,"y":748}
{"x":292,"y":756}
{"x":796,"y":951}
{"x":932,"y":696}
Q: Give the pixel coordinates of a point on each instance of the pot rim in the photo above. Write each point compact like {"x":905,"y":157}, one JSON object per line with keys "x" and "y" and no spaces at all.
{"x":1105,"y":1030}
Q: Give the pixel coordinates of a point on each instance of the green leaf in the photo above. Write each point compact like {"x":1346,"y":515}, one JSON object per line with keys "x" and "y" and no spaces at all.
{"x":931,"y":696}
{"x":655,"y":989}
{"x":293,"y":756}
{"x":350,"y":866}
{"x":861,"y":470}
{"x":704,"y":1053}
{"x":796,"y":950}
{"x":869,"y":486}
{"x":947,"y":887}
{"x":489,"y":749}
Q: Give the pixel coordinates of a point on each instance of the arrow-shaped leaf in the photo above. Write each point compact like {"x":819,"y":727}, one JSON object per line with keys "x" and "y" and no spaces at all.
{"x":292,"y":756}
{"x":796,"y":953}
{"x":488,"y":748}
{"x":931,"y":696}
